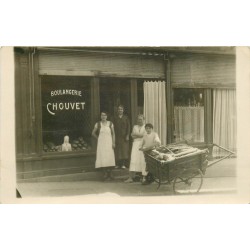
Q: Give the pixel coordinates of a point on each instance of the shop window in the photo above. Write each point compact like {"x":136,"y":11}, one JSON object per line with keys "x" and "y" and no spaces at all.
{"x":189,"y":115}
{"x":66,"y":113}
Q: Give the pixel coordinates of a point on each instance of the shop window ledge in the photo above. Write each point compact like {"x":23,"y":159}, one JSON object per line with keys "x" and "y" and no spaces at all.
{"x":56,"y":155}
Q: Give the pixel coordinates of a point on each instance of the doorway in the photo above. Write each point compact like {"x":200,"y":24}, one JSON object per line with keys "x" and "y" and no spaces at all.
{"x":115,"y":92}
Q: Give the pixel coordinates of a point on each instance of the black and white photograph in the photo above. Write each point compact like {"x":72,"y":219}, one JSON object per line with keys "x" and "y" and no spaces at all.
{"x":125,"y":121}
{"x":124,"y":125}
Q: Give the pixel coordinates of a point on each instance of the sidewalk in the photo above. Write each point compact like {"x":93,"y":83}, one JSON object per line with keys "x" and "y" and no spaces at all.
{"x":54,"y":189}
{"x":219,"y":178}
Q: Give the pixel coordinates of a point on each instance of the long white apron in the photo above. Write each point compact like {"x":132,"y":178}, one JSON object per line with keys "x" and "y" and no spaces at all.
{"x":137,"y":162}
{"x":105,"y":156}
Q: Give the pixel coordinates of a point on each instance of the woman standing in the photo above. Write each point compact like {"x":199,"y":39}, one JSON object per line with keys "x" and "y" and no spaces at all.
{"x":105,"y":135}
{"x":137,"y":162}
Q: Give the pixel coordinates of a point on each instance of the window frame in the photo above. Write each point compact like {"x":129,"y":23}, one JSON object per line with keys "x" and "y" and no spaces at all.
{"x":94,"y":110}
{"x":208,"y":117}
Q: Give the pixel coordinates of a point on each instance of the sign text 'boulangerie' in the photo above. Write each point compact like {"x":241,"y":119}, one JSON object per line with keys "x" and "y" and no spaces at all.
{"x":53,"y":107}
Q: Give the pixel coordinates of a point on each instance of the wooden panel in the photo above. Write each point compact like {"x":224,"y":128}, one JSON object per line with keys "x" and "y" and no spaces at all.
{"x":95,"y":107}
{"x":41,"y":167}
{"x":97,"y":64}
{"x":18,"y":100}
{"x":134,"y":101}
{"x":25,"y":96}
{"x":208,"y":119}
{"x":27,"y":103}
{"x":170,"y":109}
{"x":197,"y":70}
{"x":37,"y":117}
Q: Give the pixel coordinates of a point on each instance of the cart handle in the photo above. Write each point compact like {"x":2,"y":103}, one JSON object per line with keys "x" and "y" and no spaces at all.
{"x":230,"y":153}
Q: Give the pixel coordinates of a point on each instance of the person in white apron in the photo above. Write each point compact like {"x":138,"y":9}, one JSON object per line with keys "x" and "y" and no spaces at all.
{"x":137,"y":162}
{"x":105,"y":157}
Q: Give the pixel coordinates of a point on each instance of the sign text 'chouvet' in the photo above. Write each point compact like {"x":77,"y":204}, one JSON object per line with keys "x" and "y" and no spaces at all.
{"x":53,"y":107}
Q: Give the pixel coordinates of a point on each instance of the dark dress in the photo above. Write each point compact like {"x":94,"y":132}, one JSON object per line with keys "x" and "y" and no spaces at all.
{"x":122,"y":129}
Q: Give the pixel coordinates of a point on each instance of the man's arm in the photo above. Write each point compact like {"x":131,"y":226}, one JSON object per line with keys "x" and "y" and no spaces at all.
{"x":128,"y":129}
{"x":113,"y":136}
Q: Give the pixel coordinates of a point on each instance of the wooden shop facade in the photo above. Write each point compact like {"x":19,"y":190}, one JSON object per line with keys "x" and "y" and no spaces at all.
{"x":61,"y":90}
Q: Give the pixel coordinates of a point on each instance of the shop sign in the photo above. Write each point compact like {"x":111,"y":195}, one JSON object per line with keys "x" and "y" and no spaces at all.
{"x":53,"y":107}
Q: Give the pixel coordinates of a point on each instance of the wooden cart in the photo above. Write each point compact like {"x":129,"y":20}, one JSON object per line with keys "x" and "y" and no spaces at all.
{"x":185,"y":172}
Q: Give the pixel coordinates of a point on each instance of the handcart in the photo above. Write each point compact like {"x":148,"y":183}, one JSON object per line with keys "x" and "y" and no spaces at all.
{"x":185,"y":172}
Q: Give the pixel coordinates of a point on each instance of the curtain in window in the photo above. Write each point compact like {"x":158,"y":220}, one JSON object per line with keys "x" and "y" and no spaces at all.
{"x":189,"y":124}
{"x":224,"y":120}
{"x":155,"y":107}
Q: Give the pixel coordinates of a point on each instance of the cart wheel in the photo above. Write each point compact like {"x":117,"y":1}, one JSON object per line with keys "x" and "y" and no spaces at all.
{"x":189,"y":182}
{"x":164,"y":181}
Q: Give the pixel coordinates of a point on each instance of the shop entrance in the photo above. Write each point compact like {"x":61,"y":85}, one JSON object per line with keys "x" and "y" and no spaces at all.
{"x":115,"y":92}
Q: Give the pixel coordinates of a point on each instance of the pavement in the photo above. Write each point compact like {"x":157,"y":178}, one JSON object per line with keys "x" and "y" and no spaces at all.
{"x":219,"y":178}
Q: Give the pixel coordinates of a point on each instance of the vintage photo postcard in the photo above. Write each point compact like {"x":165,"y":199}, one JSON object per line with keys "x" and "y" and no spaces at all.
{"x":124,"y":124}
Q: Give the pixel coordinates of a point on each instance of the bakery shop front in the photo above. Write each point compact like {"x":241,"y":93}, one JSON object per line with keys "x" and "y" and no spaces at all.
{"x":60,"y":92}
{"x":65,"y":112}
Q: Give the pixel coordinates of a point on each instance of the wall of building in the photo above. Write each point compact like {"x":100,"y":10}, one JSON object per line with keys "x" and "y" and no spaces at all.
{"x":203,"y":70}
{"x":100,"y":64}
{"x":185,"y":70}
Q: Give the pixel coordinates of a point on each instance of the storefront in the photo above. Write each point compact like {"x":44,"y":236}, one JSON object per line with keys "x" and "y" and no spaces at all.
{"x":61,"y":91}
{"x":205,"y":99}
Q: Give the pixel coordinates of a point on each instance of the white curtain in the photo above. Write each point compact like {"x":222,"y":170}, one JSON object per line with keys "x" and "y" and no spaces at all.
{"x":189,"y":123}
{"x":224,"y":120}
{"x":155,"y":107}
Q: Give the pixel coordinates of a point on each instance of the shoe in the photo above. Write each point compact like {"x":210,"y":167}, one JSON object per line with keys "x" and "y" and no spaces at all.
{"x":137,"y":178}
{"x":105,"y":176}
{"x":111,"y":177}
{"x":116,"y":167}
{"x":123,"y":167}
{"x":108,"y":179}
{"x":144,"y":181}
{"x":129,"y":180}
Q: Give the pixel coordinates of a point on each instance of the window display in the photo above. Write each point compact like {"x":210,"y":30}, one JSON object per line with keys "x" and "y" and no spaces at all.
{"x":66,"y":146}
{"x":66,"y":113}
{"x":189,"y":115}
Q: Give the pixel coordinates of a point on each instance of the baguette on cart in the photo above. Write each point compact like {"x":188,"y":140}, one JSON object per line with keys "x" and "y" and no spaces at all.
{"x":181,"y":164}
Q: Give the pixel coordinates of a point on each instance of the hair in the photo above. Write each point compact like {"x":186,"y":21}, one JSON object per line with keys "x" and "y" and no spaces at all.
{"x":149,"y":125}
{"x":120,"y":106}
{"x":104,"y":112}
{"x":141,"y":116}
